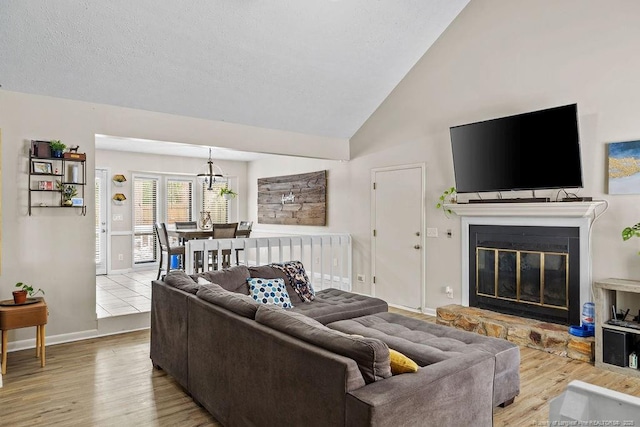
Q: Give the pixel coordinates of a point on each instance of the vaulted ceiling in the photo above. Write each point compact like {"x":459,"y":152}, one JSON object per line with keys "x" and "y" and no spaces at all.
{"x":317,"y":67}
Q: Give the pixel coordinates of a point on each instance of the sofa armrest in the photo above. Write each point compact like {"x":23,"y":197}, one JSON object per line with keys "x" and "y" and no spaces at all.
{"x":457,"y":391}
{"x":169,"y":326}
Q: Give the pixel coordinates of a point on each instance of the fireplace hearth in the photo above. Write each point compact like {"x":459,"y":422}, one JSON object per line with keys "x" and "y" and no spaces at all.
{"x":527,"y":271}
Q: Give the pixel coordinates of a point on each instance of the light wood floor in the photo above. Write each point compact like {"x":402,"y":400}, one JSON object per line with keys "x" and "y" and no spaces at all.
{"x":110,"y":382}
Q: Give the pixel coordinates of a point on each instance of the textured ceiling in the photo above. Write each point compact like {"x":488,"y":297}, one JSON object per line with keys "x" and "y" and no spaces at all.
{"x":318,"y":67}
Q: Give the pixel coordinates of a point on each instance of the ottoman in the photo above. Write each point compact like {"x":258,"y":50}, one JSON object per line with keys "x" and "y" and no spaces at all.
{"x":428,"y":343}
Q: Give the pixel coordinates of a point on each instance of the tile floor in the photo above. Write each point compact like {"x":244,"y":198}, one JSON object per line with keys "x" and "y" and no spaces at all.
{"x":120,"y":294}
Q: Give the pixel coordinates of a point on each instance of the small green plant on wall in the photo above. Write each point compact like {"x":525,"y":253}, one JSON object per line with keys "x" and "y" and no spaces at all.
{"x":629,"y":232}
{"x":448,"y":196}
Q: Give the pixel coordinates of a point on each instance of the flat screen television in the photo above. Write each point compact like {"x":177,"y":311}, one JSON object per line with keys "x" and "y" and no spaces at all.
{"x":531,"y":151}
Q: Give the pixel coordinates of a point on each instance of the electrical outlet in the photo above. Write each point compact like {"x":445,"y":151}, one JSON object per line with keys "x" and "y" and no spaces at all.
{"x":361,"y":278}
{"x":449,"y":233}
{"x":120,"y":257}
{"x":449,"y":292}
{"x":432,"y":232}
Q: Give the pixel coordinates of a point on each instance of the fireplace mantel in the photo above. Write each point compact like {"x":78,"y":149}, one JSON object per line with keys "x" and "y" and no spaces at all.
{"x":548,"y":209}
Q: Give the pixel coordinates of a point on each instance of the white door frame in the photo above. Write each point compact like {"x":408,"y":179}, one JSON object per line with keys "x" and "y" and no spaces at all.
{"x":423,"y":237}
{"x":107,"y":211}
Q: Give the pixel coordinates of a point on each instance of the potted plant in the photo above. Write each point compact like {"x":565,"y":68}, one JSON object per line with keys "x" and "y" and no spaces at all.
{"x":57,"y":147}
{"x":227,"y":193}
{"x":629,"y":232}
{"x":20,"y":296}
{"x":119,"y":198}
{"x":119,"y":180}
{"x":448,"y":196}
{"x":68,"y":192}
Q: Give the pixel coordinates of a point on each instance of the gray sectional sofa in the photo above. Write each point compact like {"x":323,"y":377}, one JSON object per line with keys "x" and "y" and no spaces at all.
{"x":324,"y":362}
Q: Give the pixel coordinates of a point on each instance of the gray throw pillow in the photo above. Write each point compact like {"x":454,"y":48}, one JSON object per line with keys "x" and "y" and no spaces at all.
{"x":233,"y":279}
{"x":371,"y":354}
{"x":240,"y":304}
{"x":181,"y":280}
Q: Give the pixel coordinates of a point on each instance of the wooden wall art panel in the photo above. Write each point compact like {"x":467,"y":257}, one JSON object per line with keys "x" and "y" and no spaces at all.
{"x":293,"y":199}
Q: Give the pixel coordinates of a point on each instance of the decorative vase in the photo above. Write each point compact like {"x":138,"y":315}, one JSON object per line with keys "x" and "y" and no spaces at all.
{"x":19,"y":297}
{"x":56,"y":153}
{"x":227,"y":196}
{"x":205,"y":220}
{"x":74,"y":173}
{"x":67,"y":203}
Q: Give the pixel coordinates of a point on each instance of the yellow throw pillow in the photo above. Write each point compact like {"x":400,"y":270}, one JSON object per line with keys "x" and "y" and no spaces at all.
{"x":401,"y":364}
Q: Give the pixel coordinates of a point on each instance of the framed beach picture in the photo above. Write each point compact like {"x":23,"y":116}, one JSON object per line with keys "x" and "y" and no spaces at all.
{"x":42,"y":167}
{"x":624,"y":167}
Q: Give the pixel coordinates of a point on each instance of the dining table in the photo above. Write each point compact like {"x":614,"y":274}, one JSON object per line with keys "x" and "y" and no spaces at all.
{"x":189,"y":234}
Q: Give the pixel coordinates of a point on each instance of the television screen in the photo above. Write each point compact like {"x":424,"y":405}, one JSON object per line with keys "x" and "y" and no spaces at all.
{"x":530,"y":151}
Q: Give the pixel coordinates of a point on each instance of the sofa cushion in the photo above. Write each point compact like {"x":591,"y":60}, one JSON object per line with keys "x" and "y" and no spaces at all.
{"x":233,"y":279}
{"x":240,"y":304}
{"x":269,"y":291}
{"x":270,"y":272}
{"x":424,"y":342}
{"x":181,"y":280}
{"x":331,"y":305}
{"x":371,"y":355}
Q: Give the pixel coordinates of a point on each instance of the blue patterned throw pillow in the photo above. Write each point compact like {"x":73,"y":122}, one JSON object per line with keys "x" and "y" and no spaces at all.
{"x":269,"y":291}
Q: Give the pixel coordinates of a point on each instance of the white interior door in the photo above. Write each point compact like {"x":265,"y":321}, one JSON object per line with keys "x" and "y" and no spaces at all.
{"x":398,"y":242}
{"x":102,"y":202}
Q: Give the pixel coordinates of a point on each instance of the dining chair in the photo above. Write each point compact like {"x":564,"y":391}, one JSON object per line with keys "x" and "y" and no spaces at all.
{"x":245,"y":225}
{"x":223,"y":231}
{"x":166,"y":248}
{"x":186,"y":225}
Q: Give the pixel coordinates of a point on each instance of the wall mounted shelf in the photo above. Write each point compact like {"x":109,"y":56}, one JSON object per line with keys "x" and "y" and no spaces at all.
{"x":38,"y":197}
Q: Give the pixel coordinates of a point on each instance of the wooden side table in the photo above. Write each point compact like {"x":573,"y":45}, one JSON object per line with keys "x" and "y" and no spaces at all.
{"x":22,"y":316}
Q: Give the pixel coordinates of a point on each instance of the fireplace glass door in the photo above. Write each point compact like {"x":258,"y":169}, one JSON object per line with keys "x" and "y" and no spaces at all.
{"x":530,"y":277}
{"x":527,"y":271}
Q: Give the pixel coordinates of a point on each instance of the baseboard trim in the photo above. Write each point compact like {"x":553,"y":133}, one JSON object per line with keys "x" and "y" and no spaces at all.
{"x":106,"y":326}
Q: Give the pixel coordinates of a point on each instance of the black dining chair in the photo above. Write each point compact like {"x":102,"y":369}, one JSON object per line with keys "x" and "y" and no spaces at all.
{"x":166,"y":248}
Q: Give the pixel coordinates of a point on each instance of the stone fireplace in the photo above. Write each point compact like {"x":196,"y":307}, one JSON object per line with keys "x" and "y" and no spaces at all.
{"x":527,"y":259}
{"x":527,"y":271}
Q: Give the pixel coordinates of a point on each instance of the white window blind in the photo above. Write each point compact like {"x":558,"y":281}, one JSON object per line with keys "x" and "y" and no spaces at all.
{"x":216,"y":205}
{"x":145,"y":199}
{"x":179,"y":200}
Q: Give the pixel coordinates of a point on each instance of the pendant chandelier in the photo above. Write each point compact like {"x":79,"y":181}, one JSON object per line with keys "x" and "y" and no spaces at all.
{"x":212,"y":174}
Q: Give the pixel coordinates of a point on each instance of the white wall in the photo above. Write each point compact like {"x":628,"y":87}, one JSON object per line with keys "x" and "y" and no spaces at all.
{"x":54,"y":248}
{"x":501,"y":57}
{"x":128,"y":163}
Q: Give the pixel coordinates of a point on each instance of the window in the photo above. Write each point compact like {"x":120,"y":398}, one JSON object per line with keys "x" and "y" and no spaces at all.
{"x":145,"y":199}
{"x":212,"y":202}
{"x":179,"y":200}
